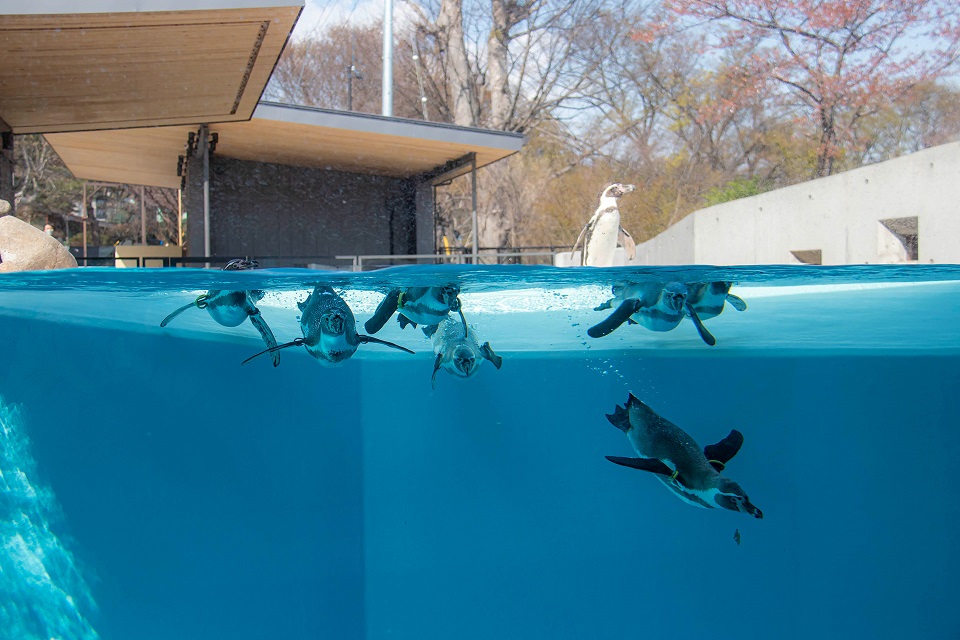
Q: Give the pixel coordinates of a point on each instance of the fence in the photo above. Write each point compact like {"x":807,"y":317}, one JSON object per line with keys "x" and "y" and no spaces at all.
{"x":500,"y":255}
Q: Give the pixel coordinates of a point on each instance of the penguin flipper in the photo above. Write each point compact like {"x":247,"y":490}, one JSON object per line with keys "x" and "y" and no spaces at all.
{"x":720,"y":453}
{"x":367,"y":339}
{"x":385,"y":310}
{"x":268,"y":338}
{"x":488,"y":353}
{"x":627,"y":242}
{"x":736,"y":302}
{"x":295,"y":343}
{"x":626,"y":309}
{"x":173,"y":315}
{"x":643,"y":464}
{"x":705,"y":335}
{"x":580,"y":238}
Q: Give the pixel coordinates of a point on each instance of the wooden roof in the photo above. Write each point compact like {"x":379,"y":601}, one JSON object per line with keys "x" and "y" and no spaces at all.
{"x":95,"y":64}
{"x":286,"y":134}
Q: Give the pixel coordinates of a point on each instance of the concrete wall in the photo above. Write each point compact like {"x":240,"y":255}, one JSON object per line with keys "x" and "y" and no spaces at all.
{"x":260,"y":209}
{"x":838,"y":215}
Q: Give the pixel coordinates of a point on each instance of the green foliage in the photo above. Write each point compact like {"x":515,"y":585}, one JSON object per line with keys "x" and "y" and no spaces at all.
{"x":734,"y":190}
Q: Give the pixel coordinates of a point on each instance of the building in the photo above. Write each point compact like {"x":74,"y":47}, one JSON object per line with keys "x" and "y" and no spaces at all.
{"x":167,"y":93}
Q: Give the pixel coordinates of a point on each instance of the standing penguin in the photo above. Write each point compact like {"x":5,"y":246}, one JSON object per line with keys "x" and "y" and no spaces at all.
{"x":603,"y":232}
{"x":329,"y":329}
{"x":231,"y":308}
{"x":426,"y":306}
{"x":677,"y":460}
{"x":459,"y":353}
{"x":652,"y":305}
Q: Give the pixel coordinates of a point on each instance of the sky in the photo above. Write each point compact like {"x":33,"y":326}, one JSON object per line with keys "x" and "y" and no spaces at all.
{"x":318,"y":14}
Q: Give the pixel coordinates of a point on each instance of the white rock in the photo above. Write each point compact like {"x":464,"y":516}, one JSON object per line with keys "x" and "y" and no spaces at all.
{"x":4,"y":207}
{"x":23,"y":247}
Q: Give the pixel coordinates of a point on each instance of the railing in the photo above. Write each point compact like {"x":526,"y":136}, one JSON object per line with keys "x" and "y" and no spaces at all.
{"x":502,"y":255}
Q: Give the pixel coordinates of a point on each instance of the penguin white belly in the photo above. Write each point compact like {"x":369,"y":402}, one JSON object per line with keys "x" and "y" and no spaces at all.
{"x":602,"y":243}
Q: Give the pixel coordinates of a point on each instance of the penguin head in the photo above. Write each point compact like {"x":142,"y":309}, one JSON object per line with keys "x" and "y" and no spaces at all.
{"x":674,"y":295}
{"x":465,"y":361}
{"x":332,"y":323}
{"x":449,"y":296}
{"x":731,"y":496}
{"x":616,"y":190}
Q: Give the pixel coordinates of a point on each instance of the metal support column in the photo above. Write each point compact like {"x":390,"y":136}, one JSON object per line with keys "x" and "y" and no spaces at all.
{"x":7,"y":162}
{"x":387,"y":101}
{"x":205,"y":153}
{"x":143,"y":215}
{"x":473,"y":192}
{"x":84,"y":216}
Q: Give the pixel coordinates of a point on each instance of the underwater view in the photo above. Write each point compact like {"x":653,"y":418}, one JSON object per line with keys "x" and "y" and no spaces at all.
{"x":480,"y":452}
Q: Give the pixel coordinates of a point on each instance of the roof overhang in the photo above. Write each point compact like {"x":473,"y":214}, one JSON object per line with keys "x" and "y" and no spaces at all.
{"x":285,"y":134}
{"x":71,"y":65}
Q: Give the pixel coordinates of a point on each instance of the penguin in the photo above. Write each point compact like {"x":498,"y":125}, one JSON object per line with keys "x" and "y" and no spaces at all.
{"x":603,"y":232}
{"x":677,"y":460}
{"x":459,"y":353}
{"x":708,"y":298}
{"x":329,"y":329}
{"x":231,"y":308}
{"x":658,"y":307}
{"x":425,"y":306}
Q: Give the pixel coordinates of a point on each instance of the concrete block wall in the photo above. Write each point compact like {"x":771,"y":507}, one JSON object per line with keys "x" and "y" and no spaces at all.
{"x":263,"y":209}
{"x":838,"y":215}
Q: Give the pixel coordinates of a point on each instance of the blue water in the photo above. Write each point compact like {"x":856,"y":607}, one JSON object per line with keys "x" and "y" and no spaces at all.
{"x":152,"y":487}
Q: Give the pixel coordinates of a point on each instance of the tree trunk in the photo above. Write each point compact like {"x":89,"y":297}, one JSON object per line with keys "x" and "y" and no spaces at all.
{"x":459,"y":80}
{"x":498,"y":70}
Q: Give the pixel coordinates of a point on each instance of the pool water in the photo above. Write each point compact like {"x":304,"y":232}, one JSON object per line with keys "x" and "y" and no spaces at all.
{"x":154,"y":487}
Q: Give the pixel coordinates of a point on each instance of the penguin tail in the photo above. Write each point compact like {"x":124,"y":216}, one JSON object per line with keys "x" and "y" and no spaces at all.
{"x":620,"y":418}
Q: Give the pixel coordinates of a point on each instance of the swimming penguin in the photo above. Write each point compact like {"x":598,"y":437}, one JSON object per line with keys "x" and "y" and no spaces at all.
{"x":329,"y":329}
{"x":603,"y":232}
{"x":652,"y":305}
{"x":231,"y":308}
{"x":677,"y":460}
{"x":426,"y":306}
{"x":708,"y":298}
{"x":459,"y":353}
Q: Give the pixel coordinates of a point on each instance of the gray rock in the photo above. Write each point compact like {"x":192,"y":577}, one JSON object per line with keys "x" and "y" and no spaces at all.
{"x":23,"y":247}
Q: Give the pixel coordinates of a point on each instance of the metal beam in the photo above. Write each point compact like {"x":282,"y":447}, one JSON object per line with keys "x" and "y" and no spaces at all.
{"x":449,"y":170}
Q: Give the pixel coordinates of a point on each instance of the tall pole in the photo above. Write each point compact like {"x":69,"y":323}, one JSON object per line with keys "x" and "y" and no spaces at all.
{"x":84,"y":216}
{"x":143,"y":216}
{"x":205,"y":152}
{"x":473,"y":179}
{"x":387,"y":58}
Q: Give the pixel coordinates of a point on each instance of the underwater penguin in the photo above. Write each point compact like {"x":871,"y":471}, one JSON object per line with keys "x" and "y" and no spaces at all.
{"x":708,"y":298}
{"x":459,"y":353}
{"x":677,"y":460}
{"x":329,"y":329}
{"x":231,"y":308}
{"x":603,"y":232}
{"x":654,"y":306}
{"x":425,"y":306}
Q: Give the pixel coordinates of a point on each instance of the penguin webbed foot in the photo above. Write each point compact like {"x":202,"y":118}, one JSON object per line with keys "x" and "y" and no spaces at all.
{"x":721,"y":453}
{"x":405,"y":321}
{"x":488,"y":353}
